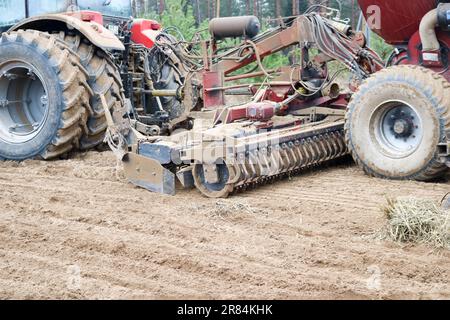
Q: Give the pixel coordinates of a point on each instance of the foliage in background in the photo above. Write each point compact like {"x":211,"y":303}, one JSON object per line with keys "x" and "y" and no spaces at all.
{"x":264,"y":9}
{"x":380,"y":46}
{"x":178,"y":14}
{"x":181,"y":16}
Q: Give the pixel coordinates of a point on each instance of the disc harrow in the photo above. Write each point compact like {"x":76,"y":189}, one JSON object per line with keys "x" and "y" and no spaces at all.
{"x":286,"y":120}
{"x":268,"y":161}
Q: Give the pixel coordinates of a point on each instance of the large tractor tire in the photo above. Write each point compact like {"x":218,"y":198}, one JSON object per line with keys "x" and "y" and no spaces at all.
{"x":166,"y":79}
{"x":396,"y":121}
{"x":44,"y":97}
{"x":104,"y":79}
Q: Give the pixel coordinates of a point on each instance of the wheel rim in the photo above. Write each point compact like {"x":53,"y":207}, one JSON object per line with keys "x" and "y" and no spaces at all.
{"x":23,"y":102}
{"x":396,"y":128}
{"x":213,"y":190}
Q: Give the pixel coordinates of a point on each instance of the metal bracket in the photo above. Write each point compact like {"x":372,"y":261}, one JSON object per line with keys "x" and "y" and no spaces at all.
{"x":444,"y":151}
{"x":186,"y":178}
{"x":148,"y":174}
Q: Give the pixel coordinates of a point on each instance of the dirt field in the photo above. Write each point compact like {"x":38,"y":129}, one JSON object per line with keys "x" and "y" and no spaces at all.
{"x":74,"y":229}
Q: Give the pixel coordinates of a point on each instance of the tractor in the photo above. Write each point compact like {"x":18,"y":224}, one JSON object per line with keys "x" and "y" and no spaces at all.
{"x":59,"y":59}
{"x":207,"y":112}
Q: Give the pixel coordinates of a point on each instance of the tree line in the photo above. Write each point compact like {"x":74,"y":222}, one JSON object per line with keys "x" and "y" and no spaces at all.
{"x":264,"y":9}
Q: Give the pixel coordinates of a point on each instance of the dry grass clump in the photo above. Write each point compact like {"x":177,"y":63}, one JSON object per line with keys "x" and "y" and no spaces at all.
{"x":224,"y":208}
{"x":418,"y":221}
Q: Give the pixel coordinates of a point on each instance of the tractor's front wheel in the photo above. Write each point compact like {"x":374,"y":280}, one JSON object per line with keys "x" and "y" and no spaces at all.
{"x":44,"y":97}
{"x":396,"y":121}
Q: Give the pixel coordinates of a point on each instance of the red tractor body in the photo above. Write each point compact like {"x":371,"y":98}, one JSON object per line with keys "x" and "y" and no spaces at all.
{"x":145,"y":31}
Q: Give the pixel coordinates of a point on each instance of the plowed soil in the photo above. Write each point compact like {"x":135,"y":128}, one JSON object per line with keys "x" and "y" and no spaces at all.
{"x":76,"y":229}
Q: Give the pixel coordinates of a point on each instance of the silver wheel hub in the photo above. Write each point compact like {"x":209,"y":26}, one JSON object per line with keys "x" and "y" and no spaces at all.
{"x":23,"y":102}
{"x":398,"y":128}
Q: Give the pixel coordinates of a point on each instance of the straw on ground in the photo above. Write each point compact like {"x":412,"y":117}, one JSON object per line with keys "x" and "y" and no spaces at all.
{"x":418,"y":221}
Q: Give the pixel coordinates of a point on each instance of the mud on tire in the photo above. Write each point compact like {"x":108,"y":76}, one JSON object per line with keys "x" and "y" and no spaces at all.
{"x":396,"y":121}
{"x":103,"y":78}
{"x":44,"y":94}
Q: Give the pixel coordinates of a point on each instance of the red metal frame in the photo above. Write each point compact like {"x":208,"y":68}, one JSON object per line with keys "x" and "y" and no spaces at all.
{"x":213,"y":98}
{"x":215,"y":74}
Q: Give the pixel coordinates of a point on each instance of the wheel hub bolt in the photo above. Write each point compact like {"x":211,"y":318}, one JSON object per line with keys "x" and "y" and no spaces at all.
{"x":44,"y":100}
{"x":401,"y":127}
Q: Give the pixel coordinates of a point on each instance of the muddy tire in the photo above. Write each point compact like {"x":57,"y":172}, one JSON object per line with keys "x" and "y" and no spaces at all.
{"x":396,"y":121}
{"x":103,"y":78}
{"x":165,"y":77}
{"x":44,"y":97}
{"x":166,"y":80}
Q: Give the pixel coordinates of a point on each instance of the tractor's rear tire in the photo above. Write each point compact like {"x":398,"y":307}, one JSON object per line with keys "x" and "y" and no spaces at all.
{"x":44,"y":97}
{"x":396,"y":121}
{"x":104,"y":79}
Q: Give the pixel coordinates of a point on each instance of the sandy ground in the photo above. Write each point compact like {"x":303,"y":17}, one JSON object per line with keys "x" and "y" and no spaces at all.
{"x":74,"y":229}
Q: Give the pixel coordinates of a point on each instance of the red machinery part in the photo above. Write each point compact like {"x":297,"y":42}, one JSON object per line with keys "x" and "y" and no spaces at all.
{"x":399,"y":20}
{"x":262,"y":111}
{"x":399,"y":25}
{"x":414,"y":53}
{"x":213,"y":95}
{"x":145,"y":31}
